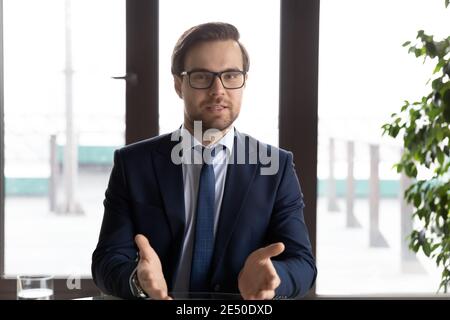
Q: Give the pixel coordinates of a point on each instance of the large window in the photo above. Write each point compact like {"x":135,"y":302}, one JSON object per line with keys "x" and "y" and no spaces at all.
{"x":365,"y":75}
{"x":63,"y":117}
{"x":259,"y":113}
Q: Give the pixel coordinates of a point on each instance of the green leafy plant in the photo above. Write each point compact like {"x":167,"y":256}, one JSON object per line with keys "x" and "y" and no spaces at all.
{"x":424,"y":126}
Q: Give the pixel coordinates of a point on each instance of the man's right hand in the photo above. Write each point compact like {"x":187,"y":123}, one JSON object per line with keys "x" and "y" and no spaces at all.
{"x":149,"y":270}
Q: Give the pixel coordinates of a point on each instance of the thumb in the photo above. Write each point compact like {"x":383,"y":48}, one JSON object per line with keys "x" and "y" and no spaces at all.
{"x":272,"y":250}
{"x":145,"y":250}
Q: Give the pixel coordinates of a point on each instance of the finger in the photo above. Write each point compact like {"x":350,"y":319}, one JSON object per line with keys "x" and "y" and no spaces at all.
{"x":248,"y":296}
{"x":271,"y":250}
{"x":145,"y":250}
{"x":166,"y":298}
{"x":265,"y":295}
{"x":272,"y":283}
{"x":159,"y":294}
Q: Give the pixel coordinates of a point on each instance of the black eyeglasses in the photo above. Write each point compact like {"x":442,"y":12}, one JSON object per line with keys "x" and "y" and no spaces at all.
{"x":231,"y":79}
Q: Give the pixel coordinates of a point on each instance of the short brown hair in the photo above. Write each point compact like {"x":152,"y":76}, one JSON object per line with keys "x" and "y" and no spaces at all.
{"x":211,"y":31}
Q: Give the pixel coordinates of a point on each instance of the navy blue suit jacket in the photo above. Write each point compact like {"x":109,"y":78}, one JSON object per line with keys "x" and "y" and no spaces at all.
{"x":145,"y":195}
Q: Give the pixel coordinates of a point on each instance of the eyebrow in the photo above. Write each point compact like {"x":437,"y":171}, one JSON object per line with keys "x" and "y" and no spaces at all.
{"x":203,"y":69}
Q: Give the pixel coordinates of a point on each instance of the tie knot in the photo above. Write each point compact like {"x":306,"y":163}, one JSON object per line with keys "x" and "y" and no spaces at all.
{"x":209,"y":153}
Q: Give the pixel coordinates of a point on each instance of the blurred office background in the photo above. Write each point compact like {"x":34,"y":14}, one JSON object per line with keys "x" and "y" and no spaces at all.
{"x":64,"y":115}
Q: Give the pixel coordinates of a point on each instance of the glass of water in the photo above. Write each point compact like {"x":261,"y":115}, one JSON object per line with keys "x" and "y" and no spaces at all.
{"x":33,"y":287}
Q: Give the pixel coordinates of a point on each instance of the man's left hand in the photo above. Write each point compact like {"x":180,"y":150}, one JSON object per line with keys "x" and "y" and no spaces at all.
{"x":258,"y":278}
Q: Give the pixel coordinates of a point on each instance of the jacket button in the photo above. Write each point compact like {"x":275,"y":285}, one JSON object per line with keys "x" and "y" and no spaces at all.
{"x":217,"y":287}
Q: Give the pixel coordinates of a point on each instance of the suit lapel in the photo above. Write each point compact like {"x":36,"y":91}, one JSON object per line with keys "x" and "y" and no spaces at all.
{"x":238,"y":180}
{"x":170,"y":178}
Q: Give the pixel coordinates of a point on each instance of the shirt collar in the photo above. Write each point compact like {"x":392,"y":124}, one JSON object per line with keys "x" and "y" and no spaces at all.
{"x":189,"y":141}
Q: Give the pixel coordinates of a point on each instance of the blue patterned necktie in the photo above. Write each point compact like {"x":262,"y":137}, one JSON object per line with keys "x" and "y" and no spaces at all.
{"x":204,"y":229}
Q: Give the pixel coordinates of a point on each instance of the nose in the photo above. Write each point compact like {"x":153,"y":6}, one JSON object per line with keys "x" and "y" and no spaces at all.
{"x":217,"y":87}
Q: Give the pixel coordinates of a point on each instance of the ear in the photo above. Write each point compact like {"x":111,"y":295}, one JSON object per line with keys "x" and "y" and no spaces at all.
{"x":177,"y":83}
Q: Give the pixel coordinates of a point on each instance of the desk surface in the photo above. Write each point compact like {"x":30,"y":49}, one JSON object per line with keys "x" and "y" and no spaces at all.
{"x":181,"y":296}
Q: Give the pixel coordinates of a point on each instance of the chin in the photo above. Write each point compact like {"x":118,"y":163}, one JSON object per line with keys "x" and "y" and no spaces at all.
{"x":219,"y":125}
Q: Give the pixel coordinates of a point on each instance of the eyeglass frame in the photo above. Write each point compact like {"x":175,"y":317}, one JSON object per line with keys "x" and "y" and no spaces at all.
{"x":215,"y":74}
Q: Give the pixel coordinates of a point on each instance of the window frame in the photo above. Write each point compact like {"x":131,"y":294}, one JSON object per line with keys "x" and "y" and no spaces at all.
{"x":299,"y":69}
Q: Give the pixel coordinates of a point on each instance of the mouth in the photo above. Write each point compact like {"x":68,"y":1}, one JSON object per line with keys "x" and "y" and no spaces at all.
{"x":216,"y":107}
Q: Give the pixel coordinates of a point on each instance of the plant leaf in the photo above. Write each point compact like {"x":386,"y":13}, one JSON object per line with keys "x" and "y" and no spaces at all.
{"x":426,"y":248}
{"x":440,"y":156}
{"x":439,"y":66}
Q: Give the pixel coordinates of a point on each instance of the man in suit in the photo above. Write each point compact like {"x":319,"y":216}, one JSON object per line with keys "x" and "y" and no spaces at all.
{"x":206,"y":208}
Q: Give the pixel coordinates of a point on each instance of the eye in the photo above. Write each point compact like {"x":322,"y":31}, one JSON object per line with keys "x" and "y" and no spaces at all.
{"x":200,"y":76}
{"x":231,"y":75}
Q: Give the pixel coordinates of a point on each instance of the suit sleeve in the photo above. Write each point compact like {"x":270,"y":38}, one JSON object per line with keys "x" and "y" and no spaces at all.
{"x":296,"y":265}
{"x":114,"y":259}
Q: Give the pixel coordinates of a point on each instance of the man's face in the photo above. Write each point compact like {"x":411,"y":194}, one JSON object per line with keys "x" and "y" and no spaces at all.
{"x":216,"y":107}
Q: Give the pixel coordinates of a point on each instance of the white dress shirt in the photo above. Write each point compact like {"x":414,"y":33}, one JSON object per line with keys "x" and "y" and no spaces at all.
{"x":191,"y":176}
